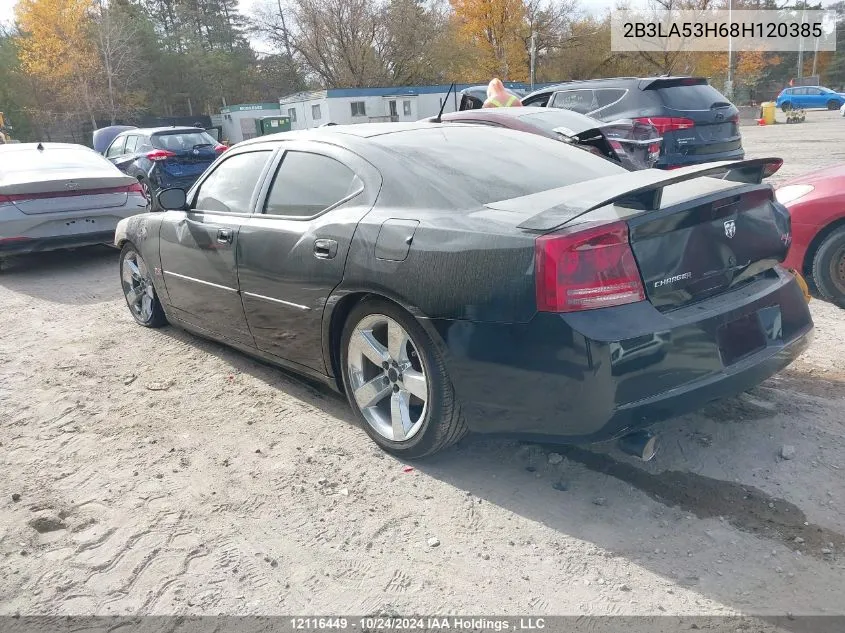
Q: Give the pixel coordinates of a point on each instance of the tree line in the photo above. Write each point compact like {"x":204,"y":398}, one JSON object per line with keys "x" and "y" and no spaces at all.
{"x":84,"y":62}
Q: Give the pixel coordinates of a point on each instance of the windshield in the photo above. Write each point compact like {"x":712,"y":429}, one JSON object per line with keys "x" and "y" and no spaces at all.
{"x":700,"y":97}
{"x":184,"y":140}
{"x":502,"y":163}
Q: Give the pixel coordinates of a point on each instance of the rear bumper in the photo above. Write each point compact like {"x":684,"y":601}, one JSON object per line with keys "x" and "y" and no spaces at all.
{"x":595,"y":375}
{"x":682,"y":160}
{"x":41,"y":244}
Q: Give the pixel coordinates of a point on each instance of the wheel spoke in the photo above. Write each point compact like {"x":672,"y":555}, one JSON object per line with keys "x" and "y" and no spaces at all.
{"x":365,"y":343}
{"x":146,"y":306}
{"x":372,"y":392}
{"x":400,"y":415}
{"x":397,"y":339}
{"x":415,"y":383}
{"x":133,"y":296}
{"x":133,"y":268}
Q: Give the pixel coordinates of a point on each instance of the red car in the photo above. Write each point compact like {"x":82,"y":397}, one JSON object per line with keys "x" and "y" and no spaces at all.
{"x":816,"y":202}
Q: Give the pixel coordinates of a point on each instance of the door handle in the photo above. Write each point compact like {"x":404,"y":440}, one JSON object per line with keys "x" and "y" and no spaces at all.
{"x":325,"y":249}
{"x":224,"y":236}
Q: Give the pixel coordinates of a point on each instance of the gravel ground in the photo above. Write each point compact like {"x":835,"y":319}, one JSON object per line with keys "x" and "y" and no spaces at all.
{"x":149,"y":471}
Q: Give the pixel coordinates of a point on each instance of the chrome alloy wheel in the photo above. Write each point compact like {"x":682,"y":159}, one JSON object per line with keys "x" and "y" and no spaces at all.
{"x":387,"y":377}
{"x":137,"y":286}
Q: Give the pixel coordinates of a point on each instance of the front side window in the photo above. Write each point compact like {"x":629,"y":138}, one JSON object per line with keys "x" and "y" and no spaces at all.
{"x":306,"y":184}
{"x":315,"y":112}
{"x":116,"y":148}
{"x":230,"y":186}
{"x":358,"y":108}
{"x":292,"y":114}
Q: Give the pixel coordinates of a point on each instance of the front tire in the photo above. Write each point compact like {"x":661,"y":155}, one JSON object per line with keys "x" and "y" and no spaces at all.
{"x":149,"y":194}
{"x":833,"y":104}
{"x":396,"y":381}
{"x":829,"y":267}
{"x":138,"y":288}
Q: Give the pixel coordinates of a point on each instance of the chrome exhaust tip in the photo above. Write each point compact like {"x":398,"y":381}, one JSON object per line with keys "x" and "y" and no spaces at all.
{"x":641,"y":444}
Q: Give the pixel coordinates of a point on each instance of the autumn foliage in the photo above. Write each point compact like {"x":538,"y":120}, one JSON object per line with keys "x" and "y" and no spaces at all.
{"x":495,"y":32}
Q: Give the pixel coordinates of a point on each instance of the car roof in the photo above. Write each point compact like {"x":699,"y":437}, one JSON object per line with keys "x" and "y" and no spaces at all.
{"x":608,"y":81}
{"x":357,"y":130}
{"x":159,"y":130}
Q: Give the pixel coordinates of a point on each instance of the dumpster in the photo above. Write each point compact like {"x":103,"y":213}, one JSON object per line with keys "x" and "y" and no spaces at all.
{"x":767,"y":112}
{"x":272,"y":124}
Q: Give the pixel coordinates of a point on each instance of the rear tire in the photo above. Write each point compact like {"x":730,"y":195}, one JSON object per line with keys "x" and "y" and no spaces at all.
{"x":396,"y":381}
{"x":138,"y":288}
{"x":786,"y":106}
{"x":149,"y":194}
{"x":833,"y":104}
{"x":829,"y":267}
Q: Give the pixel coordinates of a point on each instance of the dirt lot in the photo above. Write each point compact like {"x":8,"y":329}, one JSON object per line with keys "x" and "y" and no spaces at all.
{"x":148,"y":471}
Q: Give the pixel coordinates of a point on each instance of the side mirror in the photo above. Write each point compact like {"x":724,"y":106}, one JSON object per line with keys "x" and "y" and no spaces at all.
{"x":173,"y":199}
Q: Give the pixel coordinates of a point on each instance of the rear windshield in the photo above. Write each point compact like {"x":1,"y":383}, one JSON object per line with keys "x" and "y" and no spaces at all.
{"x":175,"y":141}
{"x":50,"y":158}
{"x":491,"y":164}
{"x":700,"y":97}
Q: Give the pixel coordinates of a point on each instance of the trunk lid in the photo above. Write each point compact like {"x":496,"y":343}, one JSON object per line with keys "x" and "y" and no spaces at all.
{"x":54,"y":193}
{"x":694,"y":249}
{"x":187,"y":152}
{"x":192,"y":162}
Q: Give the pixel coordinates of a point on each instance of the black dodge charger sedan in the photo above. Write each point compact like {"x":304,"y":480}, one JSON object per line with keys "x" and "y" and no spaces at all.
{"x":450,"y":278}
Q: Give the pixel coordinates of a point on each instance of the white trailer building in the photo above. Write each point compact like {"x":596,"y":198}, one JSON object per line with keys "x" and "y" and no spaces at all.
{"x":238,"y":121}
{"x":367,"y":105}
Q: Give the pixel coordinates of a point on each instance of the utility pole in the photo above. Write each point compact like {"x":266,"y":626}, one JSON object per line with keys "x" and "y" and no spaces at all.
{"x":533,"y":53}
{"x":801,"y":45}
{"x":729,"y":84}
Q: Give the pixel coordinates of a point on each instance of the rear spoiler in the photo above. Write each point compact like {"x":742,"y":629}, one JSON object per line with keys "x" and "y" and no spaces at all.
{"x":640,"y":190}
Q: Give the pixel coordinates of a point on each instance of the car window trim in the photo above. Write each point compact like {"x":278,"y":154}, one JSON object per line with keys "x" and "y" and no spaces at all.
{"x":194,"y":190}
{"x":261,"y":211}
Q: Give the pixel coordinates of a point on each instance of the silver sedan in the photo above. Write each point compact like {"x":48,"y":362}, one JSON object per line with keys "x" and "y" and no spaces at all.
{"x":57,"y":195}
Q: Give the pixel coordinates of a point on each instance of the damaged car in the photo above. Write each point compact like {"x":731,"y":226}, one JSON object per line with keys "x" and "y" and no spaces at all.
{"x":450,"y":278}
{"x":633,"y":144}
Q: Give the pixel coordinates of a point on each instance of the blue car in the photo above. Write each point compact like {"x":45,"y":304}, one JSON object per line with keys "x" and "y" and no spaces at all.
{"x":810,"y":97}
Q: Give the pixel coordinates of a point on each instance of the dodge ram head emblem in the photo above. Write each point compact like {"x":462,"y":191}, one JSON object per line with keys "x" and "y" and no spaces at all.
{"x":730,"y":228}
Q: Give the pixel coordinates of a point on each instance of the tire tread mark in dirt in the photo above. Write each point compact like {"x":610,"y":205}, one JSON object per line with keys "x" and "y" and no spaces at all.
{"x":745,"y":507}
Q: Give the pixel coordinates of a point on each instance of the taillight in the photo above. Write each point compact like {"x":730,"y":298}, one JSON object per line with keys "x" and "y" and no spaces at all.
{"x":136,"y":188}
{"x":160,"y":154}
{"x":654,"y":148}
{"x":587,"y":268}
{"x":6,"y":200}
{"x":220,"y":148}
{"x":665,"y":124}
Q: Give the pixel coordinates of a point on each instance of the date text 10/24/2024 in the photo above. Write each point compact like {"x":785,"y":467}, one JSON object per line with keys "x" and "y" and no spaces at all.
{"x":376,"y":624}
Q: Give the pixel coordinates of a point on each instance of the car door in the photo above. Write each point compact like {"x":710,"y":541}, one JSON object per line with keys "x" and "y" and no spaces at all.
{"x":115,"y":151}
{"x":292,"y":251}
{"x":198,"y":245}
{"x":128,"y":155}
{"x":801,"y":98}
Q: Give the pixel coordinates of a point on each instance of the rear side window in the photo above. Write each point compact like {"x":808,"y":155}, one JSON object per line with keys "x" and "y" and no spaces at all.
{"x":230,"y":186}
{"x":607,"y":96}
{"x":698,"y":97}
{"x":181,"y":141}
{"x":307,"y":184}
{"x":131,"y":144}
{"x":503,"y":163}
{"x":582,"y":101}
